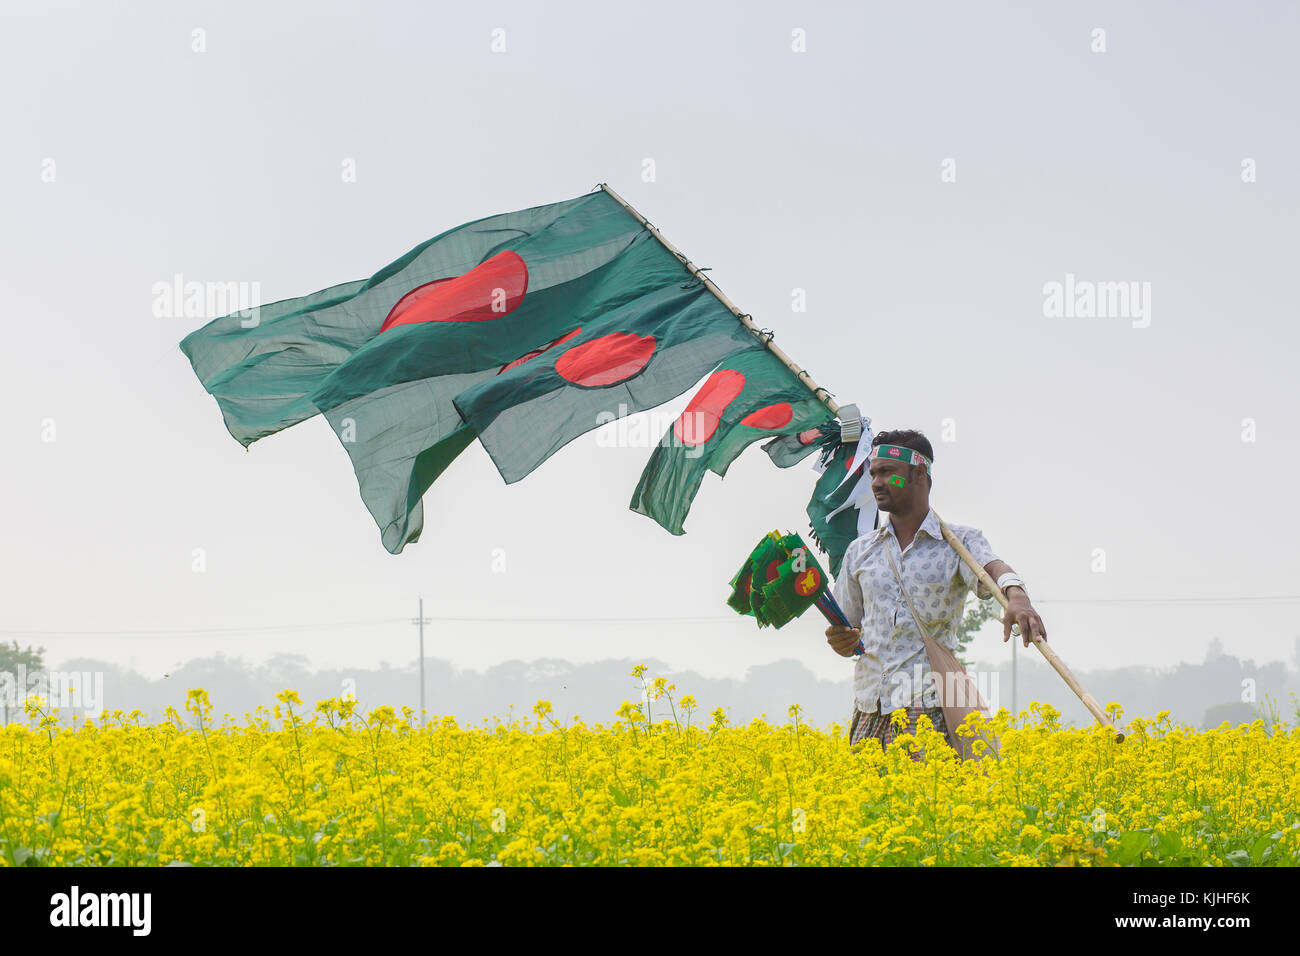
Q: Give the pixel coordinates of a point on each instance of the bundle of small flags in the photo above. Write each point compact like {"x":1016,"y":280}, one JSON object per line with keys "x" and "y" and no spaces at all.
{"x":779,"y":581}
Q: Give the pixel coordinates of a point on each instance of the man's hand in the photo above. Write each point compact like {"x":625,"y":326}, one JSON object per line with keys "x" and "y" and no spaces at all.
{"x":1021,"y":612}
{"x":843,"y":640}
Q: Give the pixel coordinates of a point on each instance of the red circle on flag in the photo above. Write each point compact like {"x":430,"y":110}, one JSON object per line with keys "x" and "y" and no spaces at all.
{"x":536,"y":352}
{"x":488,"y":291}
{"x":807,"y":582}
{"x":606,"y":360}
{"x":770,"y":416}
{"x":697,"y":424}
{"x":774,"y":570}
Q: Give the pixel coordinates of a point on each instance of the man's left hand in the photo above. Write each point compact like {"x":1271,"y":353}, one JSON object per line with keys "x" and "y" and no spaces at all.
{"x":1020,"y":611}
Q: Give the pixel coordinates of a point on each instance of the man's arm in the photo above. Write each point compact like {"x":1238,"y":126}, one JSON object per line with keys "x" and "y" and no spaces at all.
{"x":1019,"y":610}
{"x":844,"y":640}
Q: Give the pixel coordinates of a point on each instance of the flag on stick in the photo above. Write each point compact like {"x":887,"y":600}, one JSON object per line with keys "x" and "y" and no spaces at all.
{"x":780,"y":580}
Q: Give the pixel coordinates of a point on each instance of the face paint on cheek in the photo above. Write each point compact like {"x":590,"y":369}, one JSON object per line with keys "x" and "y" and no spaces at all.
{"x":896,"y":481}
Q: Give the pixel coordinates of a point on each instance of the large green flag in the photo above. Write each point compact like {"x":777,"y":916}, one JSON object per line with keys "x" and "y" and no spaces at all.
{"x":524,"y":329}
{"x":752,"y":396}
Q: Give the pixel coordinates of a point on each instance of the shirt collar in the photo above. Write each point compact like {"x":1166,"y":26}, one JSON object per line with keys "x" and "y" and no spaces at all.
{"x":930,"y":526}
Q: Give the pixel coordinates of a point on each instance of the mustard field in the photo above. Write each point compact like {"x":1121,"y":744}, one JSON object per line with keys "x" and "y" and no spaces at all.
{"x":292,"y":785}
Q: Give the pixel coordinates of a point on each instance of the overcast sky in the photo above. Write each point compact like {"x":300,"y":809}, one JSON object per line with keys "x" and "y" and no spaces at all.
{"x":922,"y":172}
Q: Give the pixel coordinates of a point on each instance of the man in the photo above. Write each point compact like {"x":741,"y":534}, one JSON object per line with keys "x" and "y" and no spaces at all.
{"x":936,"y":579}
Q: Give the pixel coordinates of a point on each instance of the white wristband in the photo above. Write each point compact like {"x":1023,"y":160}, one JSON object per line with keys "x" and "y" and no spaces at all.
{"x":1011,"y":579}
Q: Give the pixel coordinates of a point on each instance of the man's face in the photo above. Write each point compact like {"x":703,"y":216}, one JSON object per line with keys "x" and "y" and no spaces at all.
{"x":896,"y":486}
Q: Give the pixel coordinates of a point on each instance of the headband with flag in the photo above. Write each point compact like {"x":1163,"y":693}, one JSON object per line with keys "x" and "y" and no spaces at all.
{"x":909,"y":456}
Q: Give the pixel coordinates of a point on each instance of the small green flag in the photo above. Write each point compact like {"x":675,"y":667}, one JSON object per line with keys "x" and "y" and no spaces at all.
{"x":741,"y":584}
{"x":778,"y":582}
{"x":789,"y":450}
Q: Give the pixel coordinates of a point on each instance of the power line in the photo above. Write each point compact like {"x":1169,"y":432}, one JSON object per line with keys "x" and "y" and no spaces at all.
{"x":586,"y":620}
{"x":182,"y":632}
{"x":1245,"y":601}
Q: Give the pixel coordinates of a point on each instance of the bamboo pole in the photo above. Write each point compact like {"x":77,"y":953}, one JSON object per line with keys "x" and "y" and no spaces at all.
{"x":1047,"y":651}
{"x":818,"y":392}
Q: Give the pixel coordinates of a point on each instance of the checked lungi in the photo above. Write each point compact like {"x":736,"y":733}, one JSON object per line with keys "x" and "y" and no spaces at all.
{"x":878,"y":725}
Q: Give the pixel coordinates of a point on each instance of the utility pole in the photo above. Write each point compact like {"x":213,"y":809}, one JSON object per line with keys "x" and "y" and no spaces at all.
{"x":421,"y":621}
{"x":1013,"y":676}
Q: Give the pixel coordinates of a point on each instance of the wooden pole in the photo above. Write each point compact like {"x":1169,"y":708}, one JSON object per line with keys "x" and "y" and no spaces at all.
{"x":818,"y":392}
{"x":1047,"y":651}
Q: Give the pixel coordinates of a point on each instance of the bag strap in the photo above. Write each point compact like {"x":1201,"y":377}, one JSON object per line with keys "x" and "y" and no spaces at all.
{"x":907,"y":597}
{"x":952,"y":713}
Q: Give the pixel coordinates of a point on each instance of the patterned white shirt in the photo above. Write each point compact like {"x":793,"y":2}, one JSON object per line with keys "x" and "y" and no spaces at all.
{"x":889,"y":672}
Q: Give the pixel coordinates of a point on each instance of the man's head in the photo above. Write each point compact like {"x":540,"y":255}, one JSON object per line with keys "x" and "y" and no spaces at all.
{"x":898,"y":485}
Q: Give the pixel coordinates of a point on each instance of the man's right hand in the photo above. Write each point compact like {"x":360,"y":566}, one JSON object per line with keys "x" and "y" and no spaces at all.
{"x":843,"y":640}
